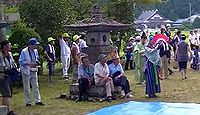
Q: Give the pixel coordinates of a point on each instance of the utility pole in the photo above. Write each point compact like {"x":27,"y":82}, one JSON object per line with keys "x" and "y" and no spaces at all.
{"x":190,"y":11}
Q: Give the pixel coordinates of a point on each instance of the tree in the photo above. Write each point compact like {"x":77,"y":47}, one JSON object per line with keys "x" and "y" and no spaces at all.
{"x":186,"y":26}
{"x":196,"y":23}
{"x":49,"y":16}
{"x":46,"y":16}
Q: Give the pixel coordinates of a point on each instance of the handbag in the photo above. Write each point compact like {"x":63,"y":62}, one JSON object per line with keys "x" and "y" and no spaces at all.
{"x":14,"y":74}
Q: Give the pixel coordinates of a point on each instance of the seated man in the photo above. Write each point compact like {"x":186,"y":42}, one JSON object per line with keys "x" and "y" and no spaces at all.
{"x":86,"y":77}
{"x":119,"y":79}
{"x":101,"y":73}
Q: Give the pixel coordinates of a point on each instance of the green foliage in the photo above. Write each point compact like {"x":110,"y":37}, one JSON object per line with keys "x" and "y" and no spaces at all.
{"x":196,"y":23}
{"x":20,"y":36}
{"x":186,"y":26}
{"x":8,"y":10}
{"x":46,"y":16}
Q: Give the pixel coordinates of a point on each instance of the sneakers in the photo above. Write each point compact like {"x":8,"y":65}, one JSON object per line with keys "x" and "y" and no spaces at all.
{"x":109,"y":98}
{"x":28,"y":105}
{"x":39,"y":103}
{"x":65,"y":78}
{"x":129,"y":95}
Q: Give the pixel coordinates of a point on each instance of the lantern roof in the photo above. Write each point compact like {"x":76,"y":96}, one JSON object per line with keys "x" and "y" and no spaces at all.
{"x":97,"y":22}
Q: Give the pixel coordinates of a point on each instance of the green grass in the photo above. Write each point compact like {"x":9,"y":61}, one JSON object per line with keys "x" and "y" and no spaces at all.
{"x":173,"y":90}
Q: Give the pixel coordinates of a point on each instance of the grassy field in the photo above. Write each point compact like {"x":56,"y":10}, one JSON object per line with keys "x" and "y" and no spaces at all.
{"x":173,"y":90}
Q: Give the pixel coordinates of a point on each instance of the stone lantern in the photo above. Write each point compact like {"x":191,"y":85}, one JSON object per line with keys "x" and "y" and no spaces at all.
{"x":97,"y":29}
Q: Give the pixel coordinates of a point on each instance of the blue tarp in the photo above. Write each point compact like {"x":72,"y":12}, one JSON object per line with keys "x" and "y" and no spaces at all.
{"x":150,"y":108}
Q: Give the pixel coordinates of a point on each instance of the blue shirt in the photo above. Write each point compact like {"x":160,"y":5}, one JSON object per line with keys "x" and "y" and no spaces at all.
{"x":85,"y":72}
{"x":114,"y":68}
{"x":26,"y":54}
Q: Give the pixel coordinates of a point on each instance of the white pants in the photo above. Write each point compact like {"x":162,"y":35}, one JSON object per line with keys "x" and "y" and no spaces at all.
{"x":65,"y":64}
{"x":33,"y":81}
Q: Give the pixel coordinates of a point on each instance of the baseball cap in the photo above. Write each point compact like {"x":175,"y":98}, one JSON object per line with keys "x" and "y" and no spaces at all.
{"x":33,"y":41}
{"x":101,"y":56}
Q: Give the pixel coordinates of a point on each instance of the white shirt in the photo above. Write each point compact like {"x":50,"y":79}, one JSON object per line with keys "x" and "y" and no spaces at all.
{"x":100,"y":70}
{"x":65,"y":49}
{"x":194,"y":39}
{"x":83,"y":44}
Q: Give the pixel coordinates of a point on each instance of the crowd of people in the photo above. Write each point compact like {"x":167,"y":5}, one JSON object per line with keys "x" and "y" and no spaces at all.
{"x":150,"y":60}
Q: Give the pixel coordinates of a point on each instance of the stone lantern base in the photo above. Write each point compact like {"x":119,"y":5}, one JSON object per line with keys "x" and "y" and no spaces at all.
{"x":94,"y":52}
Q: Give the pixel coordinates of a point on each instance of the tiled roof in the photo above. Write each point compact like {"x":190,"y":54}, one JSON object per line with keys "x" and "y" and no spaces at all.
{"x":145,"y":16}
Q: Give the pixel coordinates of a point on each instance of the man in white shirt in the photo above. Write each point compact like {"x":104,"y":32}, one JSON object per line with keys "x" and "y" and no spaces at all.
{"x":65,"y":54}
{"x":82,"y":42}
{"x":101,"y":73}
{"x":194,"y":39}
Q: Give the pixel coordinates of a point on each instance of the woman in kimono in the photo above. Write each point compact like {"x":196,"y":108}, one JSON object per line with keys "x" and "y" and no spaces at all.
{"x":152,"y":67}
{"x":139,"y":60}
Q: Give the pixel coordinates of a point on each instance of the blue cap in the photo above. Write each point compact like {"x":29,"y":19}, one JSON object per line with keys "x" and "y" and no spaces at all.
{"x":33,"y":41}
{"x":151,"y":37}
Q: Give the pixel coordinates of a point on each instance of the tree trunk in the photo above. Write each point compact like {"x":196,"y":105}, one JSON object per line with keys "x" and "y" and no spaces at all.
{"x":2,"y":30}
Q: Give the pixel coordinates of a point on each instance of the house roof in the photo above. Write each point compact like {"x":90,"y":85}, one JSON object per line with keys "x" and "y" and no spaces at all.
{"x":146,"y":15}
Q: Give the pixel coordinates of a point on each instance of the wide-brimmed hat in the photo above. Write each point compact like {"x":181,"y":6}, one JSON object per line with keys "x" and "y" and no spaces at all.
{"x":101,"y":56}
{"x":51,"y":39}
{"x":65,"y":35}
{"x":76,"y":37}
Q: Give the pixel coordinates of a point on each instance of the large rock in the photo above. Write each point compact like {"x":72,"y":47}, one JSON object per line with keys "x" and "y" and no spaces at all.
{"x":93,"y":91}
{"x":3,"y":110}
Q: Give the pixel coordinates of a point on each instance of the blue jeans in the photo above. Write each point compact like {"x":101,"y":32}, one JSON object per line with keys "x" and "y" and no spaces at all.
{"x":51,"y":67}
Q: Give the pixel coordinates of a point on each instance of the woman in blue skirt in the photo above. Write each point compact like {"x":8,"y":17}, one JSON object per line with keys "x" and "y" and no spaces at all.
{"x":152,"y":68}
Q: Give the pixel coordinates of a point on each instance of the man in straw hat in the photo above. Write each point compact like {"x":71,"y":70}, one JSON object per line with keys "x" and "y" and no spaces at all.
{"x":119,"y":79}
{"x":65,"y":54}
{"x":101,"y":77}
{"x":75,"y":56}
{"x":51,"y":57}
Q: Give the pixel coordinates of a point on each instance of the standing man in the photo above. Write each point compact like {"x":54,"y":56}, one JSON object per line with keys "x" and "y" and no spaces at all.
{"x":129,"y":54}
{"x":82,"y":42}
{"x":75,"y":57}
{"x":6,"y":64}
{"x":194,"y":39}
{"x":28,"y":61}
{"x":51,"y":57}
{"x":65,"y":54}
{"x":164,"y":54}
